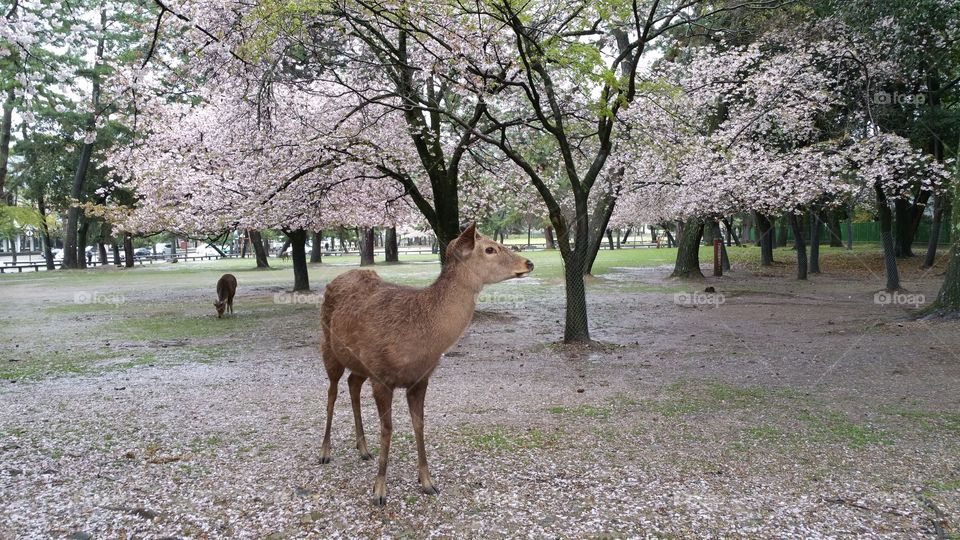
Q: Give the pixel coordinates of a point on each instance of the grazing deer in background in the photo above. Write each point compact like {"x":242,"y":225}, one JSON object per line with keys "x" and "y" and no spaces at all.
{"x":226,"y":288}
{"x":284,"y":255}
{"x":394,"y":335}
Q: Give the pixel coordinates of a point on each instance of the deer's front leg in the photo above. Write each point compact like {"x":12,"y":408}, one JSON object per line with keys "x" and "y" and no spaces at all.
{"x":384,"y":398}
{"x":415,"y":398}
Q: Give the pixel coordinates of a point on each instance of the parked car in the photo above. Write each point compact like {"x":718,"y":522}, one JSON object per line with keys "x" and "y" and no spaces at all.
{"x":142,"y":252}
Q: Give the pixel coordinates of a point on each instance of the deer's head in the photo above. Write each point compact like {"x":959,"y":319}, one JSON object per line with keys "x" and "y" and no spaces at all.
{"x":490,"y":261}
{"x":221,"y":305}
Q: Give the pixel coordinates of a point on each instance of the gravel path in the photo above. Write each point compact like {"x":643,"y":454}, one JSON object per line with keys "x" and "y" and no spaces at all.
{"x":791,"y":410}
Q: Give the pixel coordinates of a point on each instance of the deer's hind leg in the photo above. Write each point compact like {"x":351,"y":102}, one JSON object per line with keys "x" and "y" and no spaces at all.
{"x":383,"y":395}
{"x":334,"y":372}
{"x":415,"y":398}
{"x":355,"y":382}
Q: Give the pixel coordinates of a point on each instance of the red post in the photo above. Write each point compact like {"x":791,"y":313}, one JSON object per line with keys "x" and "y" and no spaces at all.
{"x":717,"y":262}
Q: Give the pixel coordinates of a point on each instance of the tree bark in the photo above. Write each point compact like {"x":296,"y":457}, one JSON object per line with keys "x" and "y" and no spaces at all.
{"x":70,"y":253}
{"x":365,"y":237}
{"x":82,"y":244}
{"x":782,"y":231}
{"x":814,"y":263}
{"x":5,"y":138}
{"x":45,"y":232}
{"x":731,"y":233}
{"x":316,"y":254}
{"x":930,"y":258}
{"x":671,"y":241}
{"x":833,"y":228}
{"x":948,"y":299}
{"x":626,"y":236}
{"x":850,"y":227}
{"x":597,"y":226}
{"x":795,"y":223}
{"x":116,"y":253}
{"x":391,"y":252}
{"x":550,"y":243}
{"x":298,"y":252}
{"x":765,"y":235}
{"x":903,"y":234}
{"x":256,"y":239}
{"x":688,"y":252}
{"x":128,"y":261}
{"x":886,"y":238}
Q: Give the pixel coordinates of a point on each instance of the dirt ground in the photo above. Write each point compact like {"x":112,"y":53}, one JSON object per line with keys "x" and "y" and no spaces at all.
{"x":782,"y":409}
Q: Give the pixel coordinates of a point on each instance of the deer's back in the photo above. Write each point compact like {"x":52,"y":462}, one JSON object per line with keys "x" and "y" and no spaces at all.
{"x":226,"y":286}
{"x":377,"y":328}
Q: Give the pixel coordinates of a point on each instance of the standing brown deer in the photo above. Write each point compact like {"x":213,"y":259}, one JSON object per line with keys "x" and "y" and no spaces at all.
{"x":394,"y":335}
{"x":226,"y":288}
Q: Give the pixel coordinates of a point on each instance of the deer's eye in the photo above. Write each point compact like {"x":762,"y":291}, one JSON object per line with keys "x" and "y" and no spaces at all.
{"x":491,"y":250}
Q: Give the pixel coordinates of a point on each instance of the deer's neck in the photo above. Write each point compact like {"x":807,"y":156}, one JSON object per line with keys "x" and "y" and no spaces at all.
{"x":454,"y":298}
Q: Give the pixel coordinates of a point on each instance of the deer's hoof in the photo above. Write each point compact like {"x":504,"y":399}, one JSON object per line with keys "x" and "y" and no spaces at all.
{"x":430,"y":489}
{"x":380,"y":500}
{"x":366,"y":456}
{"x":324,"y":460}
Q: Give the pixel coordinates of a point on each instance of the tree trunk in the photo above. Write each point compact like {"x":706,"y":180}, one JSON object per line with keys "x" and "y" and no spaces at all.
{"x":575,"y":259}
{"x":795,"y":223}
{"x":391,"y":252}
{"x":128,"y":261}
{"x":70,"y":253}
{"x":782,"y":231}
{"x":814,"y":263}
{"x":116,"y":253}
{"x":688,"y":252}
{"x":365,"y":237}
{"x":948,"y":300}
{"x":597,"y":226}
{"x":82,"y":244}
{"x":850,"y":227}
{"x":548,"y":238}
{"x":45,"y":231}
{"x":731,"y":233}
{"x":316,"y":254}
{"x":903,"y":237}
{"x":833,"y":228}
{"x":930,"y":258}
{"x":256,"y":239}
{"x":610,"y":239}
{"x":626,"y":236}
{"x":102,"y":252}
{"x":298,"y":241}
{"x":243,"y":247}
{"x":765,"y":234}
{"x":5,"y":137}
{"x":886,"y":238}
{"x":671,"y":241}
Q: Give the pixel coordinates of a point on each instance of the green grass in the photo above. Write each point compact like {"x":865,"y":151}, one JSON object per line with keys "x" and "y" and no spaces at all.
{"x":686,"y":397}
{"x":586,"y":411}
{"x":503,"y":439}
{"x":931,"y":421}
{"x":831,"y":426}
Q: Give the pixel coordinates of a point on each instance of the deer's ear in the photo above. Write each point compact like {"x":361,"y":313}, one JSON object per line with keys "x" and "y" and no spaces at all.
{"x":468,"y":238}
